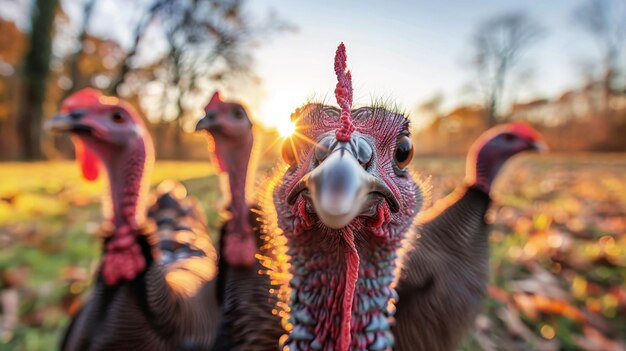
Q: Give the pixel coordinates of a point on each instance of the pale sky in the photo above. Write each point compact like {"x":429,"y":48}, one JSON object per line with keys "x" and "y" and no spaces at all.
{"x":405,"y":50}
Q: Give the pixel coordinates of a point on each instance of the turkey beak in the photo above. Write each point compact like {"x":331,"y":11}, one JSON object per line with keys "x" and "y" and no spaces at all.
{"x":539,"y":145}
{"x":339,"y":188}
{"x":67,"y":122}
{"x":207,"y":123}
{"x":59,"y":123}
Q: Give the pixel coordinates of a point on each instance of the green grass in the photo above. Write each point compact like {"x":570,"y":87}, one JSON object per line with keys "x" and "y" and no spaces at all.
{"x":563,"y":217}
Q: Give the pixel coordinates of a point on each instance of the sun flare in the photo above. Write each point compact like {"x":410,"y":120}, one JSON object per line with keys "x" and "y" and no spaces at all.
{"x":286,"y":129}
{"x":276,"y":110}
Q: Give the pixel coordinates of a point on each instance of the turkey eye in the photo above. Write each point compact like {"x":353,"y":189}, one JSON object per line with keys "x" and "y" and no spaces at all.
{"x":238,"y":113}
{"x":404,"y":151}
{"x":75,"y":115}
{"x":117,"y":117}
{"x":289,"y":152}
{"x":509,"y":137}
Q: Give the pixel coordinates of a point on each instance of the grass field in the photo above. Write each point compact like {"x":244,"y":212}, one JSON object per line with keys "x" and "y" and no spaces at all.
{"x":558,"y":247}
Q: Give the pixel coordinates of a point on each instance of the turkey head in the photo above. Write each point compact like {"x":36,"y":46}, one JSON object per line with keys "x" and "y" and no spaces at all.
{"x":492,"y":149}
{"x":106,"y":129}
{"x":230,"y":128}
{"x":344,"y":204}
{"x":230,"y":140}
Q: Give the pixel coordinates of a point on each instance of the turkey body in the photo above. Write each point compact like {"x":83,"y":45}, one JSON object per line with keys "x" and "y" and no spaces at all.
{"x":445,"y":271}
{"x":171,"y":306}
{"x":243,"y":287}
{"x":247,"y":321}
{"x":442,"y":292}
{"x":154,"y":288}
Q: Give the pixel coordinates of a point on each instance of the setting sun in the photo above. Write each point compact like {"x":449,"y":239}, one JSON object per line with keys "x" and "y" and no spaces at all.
{"x":277,"y":108}
{"x":286,"y":128}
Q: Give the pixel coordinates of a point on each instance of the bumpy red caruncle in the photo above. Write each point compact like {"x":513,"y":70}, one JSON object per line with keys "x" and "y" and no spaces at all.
{"x":343,"y":94}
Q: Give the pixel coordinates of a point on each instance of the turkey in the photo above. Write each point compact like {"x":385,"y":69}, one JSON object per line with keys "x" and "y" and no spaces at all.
{"x":247,"y":322}
{"x":344,"y":205}
{"x":444,"y":276}
{"x":145,"y":297}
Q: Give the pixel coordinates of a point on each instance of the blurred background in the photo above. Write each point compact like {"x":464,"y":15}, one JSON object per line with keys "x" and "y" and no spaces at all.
{"x":456,"y":67}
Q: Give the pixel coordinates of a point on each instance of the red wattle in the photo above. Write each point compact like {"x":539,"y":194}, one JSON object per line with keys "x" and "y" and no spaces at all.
{"x":87,"y":160}
{"x":304,"y":215}
{"x":383,"y":215}
{"x":352,"y":274}
{"x":122,"y":260}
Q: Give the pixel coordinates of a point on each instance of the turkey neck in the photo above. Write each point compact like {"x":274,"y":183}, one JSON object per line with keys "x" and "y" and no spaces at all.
{"x":127,"y":181}
{"x":125,"y":257}
{"x":341,"y":292}
{"x":458,"y":220}
{"x":482,"y":169}
{"x":235,"y":156}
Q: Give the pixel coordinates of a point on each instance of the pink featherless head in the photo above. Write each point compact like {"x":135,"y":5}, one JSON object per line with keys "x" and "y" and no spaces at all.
{"x":215,"y":101}
{"x":343,"y":94}
{"x":82,"y":99}
{"x":523,"y":129}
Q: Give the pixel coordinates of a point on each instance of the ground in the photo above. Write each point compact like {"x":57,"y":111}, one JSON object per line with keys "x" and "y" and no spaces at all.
{"x":558,"y":247}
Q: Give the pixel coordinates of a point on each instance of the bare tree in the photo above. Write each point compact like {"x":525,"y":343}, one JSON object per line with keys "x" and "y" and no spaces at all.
{"x":209,"y":42}
{"x":155,"y":8}
{"x":74,"y":58}
{"x":499,"y":45}
{"x":605,"y":21}
{"x":36,"y":67}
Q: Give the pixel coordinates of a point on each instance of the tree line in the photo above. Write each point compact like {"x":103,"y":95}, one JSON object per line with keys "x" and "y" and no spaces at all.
{"x":174,"y":51}
{"x":202,"y":44}
{"x":499,"y":55}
